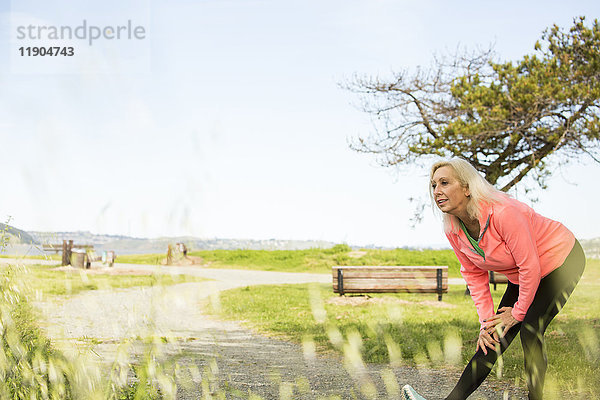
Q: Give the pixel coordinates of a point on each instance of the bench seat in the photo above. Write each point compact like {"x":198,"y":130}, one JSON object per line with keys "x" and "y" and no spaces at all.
{"x":496,"y":278}
{"x":390,"y":279}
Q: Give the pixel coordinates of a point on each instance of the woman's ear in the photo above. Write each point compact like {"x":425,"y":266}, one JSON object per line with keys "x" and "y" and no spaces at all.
{"x":467,"y":192}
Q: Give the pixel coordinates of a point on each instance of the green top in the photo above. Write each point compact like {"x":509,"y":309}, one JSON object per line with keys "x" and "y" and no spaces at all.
{"x":474,"y":243}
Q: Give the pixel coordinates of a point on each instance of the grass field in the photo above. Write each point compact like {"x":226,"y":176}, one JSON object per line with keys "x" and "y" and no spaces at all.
{"x":412,"y":329}
{"x":31,"y":368}
{"x":415,"y":329}
{"x":44,"y":280}
{"x":149,"y":259}
{"x":311,"y":260}
{"x":54,"y":257}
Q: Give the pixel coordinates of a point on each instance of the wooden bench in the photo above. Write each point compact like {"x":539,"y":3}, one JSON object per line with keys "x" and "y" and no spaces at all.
{"x":59,"y":247}
{"x":390,"y":279}
{"x":91,"y":256}
{"x":52,"y":247}
{"x":66,"y":248}
{"x":496,"y":278}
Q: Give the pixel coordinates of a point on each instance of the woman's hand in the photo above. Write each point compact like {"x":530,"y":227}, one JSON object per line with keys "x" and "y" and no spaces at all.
{"x":487,"y":338}
{"x":503,"y":320}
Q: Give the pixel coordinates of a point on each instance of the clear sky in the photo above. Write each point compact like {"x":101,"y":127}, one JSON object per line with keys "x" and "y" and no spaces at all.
{"x":227,"y":119}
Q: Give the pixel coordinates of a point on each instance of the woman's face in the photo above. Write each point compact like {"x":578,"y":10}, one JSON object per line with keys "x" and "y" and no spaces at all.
{"x":449,"y":195}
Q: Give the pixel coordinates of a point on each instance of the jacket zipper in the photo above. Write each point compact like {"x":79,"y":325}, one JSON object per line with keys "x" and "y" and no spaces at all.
{"x":470,"y":246}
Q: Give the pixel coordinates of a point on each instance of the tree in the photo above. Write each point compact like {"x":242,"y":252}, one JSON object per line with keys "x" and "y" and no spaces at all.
{"x":505,"y":118}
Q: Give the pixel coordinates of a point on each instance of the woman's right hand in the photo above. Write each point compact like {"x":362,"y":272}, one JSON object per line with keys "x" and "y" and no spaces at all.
{"x":487,"y":340}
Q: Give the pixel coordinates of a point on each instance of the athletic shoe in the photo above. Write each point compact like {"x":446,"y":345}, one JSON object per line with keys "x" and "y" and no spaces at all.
{"x":411,"y":394}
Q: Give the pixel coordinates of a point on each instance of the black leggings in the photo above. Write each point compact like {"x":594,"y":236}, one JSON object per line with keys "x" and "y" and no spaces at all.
{"x":552,"y":294}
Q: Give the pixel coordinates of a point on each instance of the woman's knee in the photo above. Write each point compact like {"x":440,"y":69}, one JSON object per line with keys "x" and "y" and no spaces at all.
{"x":531,"y":335}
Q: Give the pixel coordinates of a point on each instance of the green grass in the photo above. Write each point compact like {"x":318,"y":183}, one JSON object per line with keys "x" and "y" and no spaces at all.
{"x":31,"y":368}
{"x":149,"y":259}
{"x":23,"y":345}
{"x":53,"y":257}
{"x":46,"y":281}
{"x":311,"y":260}
{"x":425,"y":331}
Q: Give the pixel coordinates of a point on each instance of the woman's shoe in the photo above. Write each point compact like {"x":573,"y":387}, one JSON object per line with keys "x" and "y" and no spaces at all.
{"x":411,"y":394}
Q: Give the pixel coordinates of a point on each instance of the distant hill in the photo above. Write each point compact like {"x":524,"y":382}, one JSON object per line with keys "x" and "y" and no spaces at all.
{"x":130,"y":245}
{"x":591,"y":247}
{"x":16,"y":236}
{"x":22,"y":242}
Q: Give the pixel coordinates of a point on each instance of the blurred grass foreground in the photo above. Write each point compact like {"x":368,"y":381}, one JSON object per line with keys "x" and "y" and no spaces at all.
{"x":32,"y":368}
{"x":416,"y":330}
{"x":392,"y":330}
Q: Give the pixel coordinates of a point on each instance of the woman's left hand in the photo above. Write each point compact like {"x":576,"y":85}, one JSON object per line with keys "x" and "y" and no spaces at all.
{"x":503,"y":320}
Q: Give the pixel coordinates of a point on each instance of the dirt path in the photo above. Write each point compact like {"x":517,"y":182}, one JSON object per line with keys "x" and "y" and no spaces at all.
{"x":245,"y":361}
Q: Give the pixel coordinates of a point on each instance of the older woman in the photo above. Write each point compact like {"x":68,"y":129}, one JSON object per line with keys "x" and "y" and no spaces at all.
{"x":490,"y":231}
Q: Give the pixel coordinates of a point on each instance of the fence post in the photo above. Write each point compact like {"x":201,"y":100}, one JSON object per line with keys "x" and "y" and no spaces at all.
{"x":69,"y":251}
{"x":66,"y":253}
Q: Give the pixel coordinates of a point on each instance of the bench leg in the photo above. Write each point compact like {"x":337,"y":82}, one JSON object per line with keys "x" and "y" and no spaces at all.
{"x":439,"y":284}
{"x":493,"y":278}
{"x":340,"y":276}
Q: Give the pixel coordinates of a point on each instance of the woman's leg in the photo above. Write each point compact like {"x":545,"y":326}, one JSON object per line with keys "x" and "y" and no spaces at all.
{"x":550,"y":298}
{"x":481,"y":364}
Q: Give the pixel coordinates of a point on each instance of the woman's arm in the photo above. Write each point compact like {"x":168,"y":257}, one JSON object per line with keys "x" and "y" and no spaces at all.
{"x":515,"y":227}
{"x":477,"y":280}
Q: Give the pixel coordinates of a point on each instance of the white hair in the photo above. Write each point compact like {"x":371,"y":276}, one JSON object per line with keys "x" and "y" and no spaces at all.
{"x":481,"y":190}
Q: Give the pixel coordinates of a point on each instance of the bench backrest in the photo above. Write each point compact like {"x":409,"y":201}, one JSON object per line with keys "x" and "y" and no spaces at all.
{"x":386,"y":279}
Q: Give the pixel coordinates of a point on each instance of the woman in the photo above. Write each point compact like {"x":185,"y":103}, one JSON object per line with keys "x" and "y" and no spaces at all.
{"x":490,"y":231}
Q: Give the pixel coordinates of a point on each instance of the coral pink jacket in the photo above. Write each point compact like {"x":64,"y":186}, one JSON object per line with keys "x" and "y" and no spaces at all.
{"x":518,"y":243}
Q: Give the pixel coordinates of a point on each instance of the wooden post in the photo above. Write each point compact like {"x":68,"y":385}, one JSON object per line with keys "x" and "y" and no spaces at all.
{"x":169,"y":255}
{"x":65,"y":255}
{"x":110,"y":258}
{"x":69,"y":250}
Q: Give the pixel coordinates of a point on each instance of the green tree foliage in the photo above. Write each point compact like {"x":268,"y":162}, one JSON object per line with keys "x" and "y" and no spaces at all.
{"x":506,"y":118}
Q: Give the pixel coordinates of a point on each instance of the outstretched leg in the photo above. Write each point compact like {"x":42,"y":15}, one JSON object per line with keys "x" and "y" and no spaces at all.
{"x":481,"y":364}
